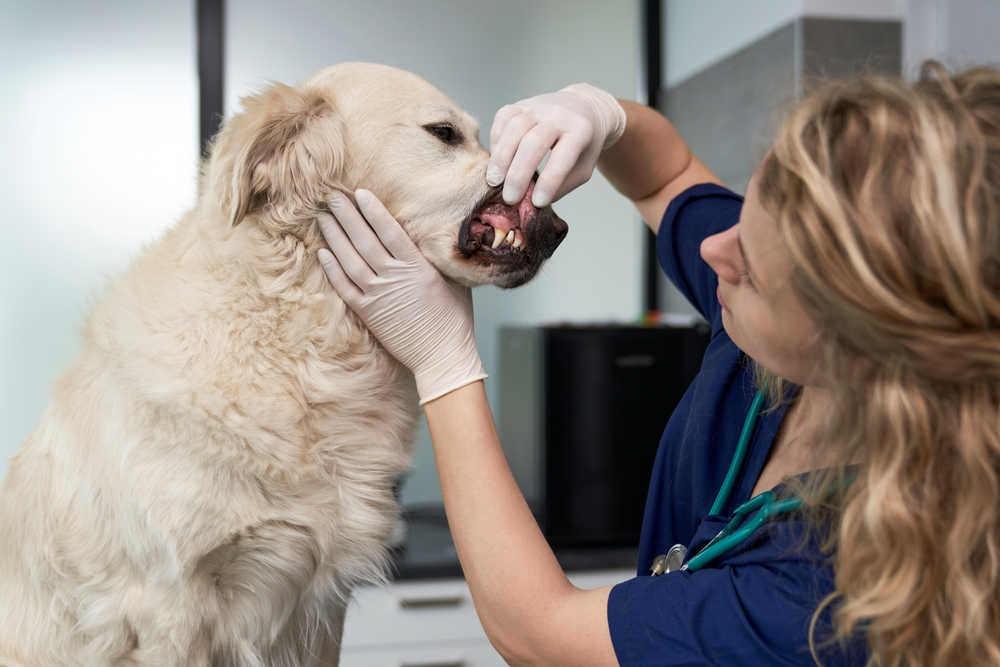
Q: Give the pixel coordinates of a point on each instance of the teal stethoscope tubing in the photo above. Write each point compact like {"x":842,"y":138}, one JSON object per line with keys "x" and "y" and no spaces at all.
{"x":742,"y":445}
{"x":765,"y":504}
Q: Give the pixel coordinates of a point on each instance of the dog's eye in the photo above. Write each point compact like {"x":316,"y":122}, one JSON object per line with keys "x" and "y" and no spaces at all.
{"x":445,"y":132}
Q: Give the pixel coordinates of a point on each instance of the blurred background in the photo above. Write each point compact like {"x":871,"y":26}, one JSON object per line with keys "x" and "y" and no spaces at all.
{"x":101,"y":119}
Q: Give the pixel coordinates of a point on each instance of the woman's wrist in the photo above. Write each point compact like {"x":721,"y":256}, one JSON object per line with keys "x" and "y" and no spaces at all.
{"x":455,"y":366}
{"x":444,"y":390}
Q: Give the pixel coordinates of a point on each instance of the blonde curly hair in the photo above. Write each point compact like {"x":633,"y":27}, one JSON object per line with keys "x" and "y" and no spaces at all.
{"x":887,"y":195}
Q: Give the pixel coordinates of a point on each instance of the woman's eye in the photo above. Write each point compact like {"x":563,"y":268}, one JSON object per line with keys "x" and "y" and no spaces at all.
{"x":445,"y":133}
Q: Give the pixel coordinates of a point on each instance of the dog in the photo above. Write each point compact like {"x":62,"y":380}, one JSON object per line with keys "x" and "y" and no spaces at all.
{"x":214,"y":473}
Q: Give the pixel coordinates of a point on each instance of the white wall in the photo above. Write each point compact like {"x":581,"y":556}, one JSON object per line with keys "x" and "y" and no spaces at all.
{"x":99,"y":127}
{"x":970,"y":32}
{"x":483,"y":55}
{"x":959,"y":33}
{"x":100,"y":146}
{"x":699,"y":33}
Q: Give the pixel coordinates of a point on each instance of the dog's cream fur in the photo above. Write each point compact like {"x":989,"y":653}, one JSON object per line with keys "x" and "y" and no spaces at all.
{"x":214,"y":473}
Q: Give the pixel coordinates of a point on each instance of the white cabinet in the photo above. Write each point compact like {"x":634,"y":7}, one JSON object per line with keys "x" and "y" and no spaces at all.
{"x":463,"y":654}
{"x":428,"y":623}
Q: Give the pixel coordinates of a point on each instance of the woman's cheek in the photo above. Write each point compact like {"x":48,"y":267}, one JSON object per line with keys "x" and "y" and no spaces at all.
{"x":737,"y":333}
{"x":756,"y":334}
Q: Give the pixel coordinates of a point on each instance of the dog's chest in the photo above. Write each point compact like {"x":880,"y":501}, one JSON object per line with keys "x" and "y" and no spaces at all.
{"x":274,"y":383}
{"x":314,"y":388}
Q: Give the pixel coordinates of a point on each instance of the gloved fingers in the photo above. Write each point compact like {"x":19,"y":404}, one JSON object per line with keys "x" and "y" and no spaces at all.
{"x":578,"y":175}
{"x":387,"y":228}
{"x":364,"y":239}
{"x":573,"y":181}
{"x":552,"y":180}
{"x":506,"y":146}
{"x":533,"y":147}
{"x":352,"y":263}
{"x":500,"y":120}
{"x":347,"y":290}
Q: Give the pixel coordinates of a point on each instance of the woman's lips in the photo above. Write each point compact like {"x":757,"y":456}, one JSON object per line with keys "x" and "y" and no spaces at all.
{"x":718,"y":294}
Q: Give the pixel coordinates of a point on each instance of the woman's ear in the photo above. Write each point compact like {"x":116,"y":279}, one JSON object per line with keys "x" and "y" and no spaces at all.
{"x":284,"y":152}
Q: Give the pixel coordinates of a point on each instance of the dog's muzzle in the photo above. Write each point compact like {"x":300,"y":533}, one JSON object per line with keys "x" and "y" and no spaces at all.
{"x":514,"y":239}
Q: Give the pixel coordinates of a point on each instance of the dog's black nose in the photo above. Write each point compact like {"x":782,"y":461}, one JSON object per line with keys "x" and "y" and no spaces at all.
{"x":555,"y":232}
{"x":561,"y":230}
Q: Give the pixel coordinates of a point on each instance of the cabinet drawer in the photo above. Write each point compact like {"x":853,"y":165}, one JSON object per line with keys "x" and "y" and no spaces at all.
{"x":408,"y":612}
{"x":434,"y":612}
{"x":462,"y":654}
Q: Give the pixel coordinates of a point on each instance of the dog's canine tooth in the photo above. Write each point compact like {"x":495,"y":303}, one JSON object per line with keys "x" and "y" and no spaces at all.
{"x":497,"y":239}
{"x":510,"y":237}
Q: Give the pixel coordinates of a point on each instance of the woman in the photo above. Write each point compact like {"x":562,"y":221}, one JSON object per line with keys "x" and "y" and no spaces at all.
{"x":861,"y":277}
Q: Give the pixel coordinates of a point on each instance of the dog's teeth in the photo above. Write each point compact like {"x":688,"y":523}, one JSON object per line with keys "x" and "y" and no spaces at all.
{"x":518,"y":241}
{"x":497,"y":239}
{"x":510,"y":237}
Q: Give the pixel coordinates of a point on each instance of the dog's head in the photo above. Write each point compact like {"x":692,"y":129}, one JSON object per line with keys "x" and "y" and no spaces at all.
{"x":387,"y":130}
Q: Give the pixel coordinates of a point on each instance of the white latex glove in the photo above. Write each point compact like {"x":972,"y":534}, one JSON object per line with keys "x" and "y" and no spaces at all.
{"x":420,"y":317}
{"x":577,"y":123}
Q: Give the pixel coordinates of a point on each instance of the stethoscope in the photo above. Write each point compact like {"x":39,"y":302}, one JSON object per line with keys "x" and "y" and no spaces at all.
{"x":739,"y":528}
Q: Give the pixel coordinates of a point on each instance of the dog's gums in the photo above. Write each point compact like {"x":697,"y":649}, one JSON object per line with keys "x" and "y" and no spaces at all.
{"x":518,"y":237}
{"x":495,"y":235}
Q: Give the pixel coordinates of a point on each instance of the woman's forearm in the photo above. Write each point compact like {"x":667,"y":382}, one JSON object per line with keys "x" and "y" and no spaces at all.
{"x":512,"y":573}
{"x":649,"y":155}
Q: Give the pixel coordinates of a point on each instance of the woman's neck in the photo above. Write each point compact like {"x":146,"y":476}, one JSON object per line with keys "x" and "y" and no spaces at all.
{"x":792,"y":452}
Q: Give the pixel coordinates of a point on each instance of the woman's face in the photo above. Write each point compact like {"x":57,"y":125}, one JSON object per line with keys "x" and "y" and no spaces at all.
{"x":760,"y":311}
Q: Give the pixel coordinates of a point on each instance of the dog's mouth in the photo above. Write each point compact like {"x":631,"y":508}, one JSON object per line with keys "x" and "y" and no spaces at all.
{"x":516,"y":237}
{"x":498,"y":227}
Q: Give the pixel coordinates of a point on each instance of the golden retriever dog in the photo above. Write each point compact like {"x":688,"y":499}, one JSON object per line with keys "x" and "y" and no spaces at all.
{"x":214,"y":472}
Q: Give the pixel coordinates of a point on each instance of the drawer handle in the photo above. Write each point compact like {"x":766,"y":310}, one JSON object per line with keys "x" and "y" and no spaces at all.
{"x":432,"y":602}
{"x":433,"y":663}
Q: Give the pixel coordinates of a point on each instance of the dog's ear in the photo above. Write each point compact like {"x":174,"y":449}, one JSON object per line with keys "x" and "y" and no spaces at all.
{"x":285,"y":151}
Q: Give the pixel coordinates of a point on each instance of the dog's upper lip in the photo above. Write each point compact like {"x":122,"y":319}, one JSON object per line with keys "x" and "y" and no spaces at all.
{"x":466,"y":244}
{"x":493,"y":196}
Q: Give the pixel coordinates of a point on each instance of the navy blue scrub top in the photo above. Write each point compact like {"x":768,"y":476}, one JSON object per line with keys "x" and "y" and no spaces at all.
{"x":753,"y":605}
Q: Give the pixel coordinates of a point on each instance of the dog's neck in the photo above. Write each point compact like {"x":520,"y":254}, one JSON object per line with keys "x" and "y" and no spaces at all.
{"x":230,"y":315}
{"x":275,"y":257}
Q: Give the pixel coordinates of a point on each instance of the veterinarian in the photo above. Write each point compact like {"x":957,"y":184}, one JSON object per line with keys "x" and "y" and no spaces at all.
{"x":854,"y":298}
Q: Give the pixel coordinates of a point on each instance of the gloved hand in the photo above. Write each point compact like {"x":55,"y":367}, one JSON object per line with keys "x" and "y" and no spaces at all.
{"x":577,"y":123}
{"x":420,"y":317}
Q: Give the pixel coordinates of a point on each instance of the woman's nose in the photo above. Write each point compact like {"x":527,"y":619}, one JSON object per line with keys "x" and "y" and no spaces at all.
{"x":722,"y":252}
